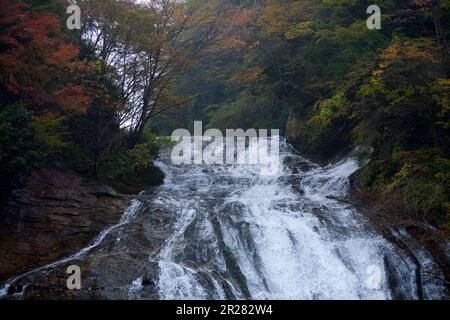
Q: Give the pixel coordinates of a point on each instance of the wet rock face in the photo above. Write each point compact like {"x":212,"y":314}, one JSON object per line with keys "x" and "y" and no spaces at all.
{"x":53,"y":215}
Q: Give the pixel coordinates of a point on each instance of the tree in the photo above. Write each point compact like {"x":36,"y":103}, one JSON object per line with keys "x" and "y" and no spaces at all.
{"x":20,"y":147}
{"x":146,"y":45}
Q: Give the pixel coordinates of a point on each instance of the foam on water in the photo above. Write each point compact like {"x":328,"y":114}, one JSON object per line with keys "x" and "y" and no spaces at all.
{"x":242,"y":235}
{"x":228,"y":232}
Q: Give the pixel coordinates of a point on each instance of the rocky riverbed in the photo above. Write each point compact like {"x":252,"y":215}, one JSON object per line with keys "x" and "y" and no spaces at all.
{"x":55,"y":213}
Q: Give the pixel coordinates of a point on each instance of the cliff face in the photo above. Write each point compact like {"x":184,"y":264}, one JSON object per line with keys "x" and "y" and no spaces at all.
{"x":385,"y":214}
{"x":55,"y":213}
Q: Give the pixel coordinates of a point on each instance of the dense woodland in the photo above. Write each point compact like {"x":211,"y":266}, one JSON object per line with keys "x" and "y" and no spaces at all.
{"x":96,"y":98}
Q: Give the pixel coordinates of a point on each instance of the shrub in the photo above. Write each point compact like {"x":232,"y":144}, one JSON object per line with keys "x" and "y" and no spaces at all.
{"x":132,"y":167}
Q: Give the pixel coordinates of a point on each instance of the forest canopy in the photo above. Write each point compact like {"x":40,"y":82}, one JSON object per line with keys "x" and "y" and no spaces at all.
{"x":96,"y":98}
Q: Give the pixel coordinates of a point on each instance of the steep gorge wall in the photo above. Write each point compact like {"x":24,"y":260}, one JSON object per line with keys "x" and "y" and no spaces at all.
{"x":55,"y":213}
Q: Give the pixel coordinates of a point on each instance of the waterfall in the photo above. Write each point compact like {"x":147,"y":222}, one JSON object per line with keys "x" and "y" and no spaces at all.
{"x":228,"y":232}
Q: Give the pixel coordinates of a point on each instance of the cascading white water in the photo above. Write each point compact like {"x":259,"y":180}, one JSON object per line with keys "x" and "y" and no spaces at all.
{"x":34,"y":275}
{"x":291,"y":236}
{"x":228,"y":232}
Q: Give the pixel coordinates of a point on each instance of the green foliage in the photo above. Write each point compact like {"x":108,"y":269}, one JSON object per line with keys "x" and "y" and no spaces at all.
{"x":61,"y":100}
{"x":21,"y":148}
{"x":142,"y":154}
{"x":133,"y":167}
{"x":312,"y":62}
{"x":326,"y":118}
{"x":57,"y":7}
{"x":54,"y":132}
{"x":345,"y":86}
{"x":117,"y":165}
{"x":423,"y":181}
{"x":441,"y":96}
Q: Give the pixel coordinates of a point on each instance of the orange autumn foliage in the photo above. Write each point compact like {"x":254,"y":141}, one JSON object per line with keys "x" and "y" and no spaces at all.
{"x":36,"y":61}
